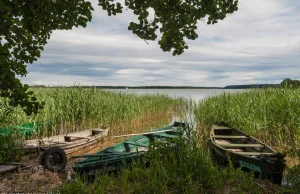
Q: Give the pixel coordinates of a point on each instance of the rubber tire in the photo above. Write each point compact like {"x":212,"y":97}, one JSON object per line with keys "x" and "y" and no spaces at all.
{"x":47,"y":155}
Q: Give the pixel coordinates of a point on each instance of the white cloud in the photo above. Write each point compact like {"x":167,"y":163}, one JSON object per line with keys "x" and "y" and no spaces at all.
{"x":257,"y":44}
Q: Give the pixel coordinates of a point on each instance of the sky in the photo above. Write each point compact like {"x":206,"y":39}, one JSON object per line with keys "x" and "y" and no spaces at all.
{"x":258,"y":44}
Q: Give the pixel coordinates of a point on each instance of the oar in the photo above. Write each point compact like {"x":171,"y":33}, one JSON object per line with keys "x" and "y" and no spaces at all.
{"x":152,"y":132}
{"x":106,"y":154}
{"x":99,"y":155}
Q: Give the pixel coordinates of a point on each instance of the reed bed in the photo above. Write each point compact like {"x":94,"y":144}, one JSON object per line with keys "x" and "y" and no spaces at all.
{"x":272,"y":115}
{"x":73,"y":109}
{"x":184,"y":168}
{"x":269,"y":114}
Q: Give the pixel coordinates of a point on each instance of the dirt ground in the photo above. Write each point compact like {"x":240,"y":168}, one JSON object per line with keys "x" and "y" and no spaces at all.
{"x":33,"y":178}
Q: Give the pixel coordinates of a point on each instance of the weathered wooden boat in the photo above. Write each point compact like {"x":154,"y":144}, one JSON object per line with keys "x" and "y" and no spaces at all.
{"x":70,"y":142}
{"x":12,"y":166}
{"x":7,"y":168}
{"x":113,"y":158}
{"x":56,"y":148}
{"x":26,"y":130}
{"x":246,"y":152}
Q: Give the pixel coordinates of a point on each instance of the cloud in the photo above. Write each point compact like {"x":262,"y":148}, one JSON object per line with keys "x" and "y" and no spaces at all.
{"x":257,"y":44}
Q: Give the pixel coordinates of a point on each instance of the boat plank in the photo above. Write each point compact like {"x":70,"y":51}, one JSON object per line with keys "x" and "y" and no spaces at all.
{"x":136,"y":143}
{"x":230,"y":137}
{"x":221,"y":128}
{"x":147,"y":133}
{"x":254,"y":153}
{"x":165,"y":135}
{"x":131,"y":149}
{"x":241,"y":145}
{"x":6,"y":168}
{"x":260,"y":158}
{"x":58,"y":142}
{"x":78,"y":137}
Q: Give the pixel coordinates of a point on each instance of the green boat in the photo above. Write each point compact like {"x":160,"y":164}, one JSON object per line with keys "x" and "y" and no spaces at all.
{"x":245,"y":152}
{"x":24,"y":130}
{"x":113,"y":158}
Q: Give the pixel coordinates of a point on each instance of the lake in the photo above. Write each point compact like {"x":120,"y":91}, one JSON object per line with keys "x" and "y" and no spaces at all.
{"x":193,"y":94}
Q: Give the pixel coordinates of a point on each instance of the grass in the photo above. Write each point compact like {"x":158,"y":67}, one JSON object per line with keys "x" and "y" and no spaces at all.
{"x":184,"y":168}
{"x":272,"y":115}
{"x":269,"y":114}
{"x":73,"y":109}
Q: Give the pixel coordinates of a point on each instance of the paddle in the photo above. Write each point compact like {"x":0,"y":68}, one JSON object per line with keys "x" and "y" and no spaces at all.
{"x":151,"y":132}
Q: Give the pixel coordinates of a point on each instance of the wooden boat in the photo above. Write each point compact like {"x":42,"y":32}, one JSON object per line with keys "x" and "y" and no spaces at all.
{"x":7,"y":168}
{"x":112,"y":158}
{"x":246,"y":152}
{"x":26,"y":130}
{"x":12,"y":166}
{"x":70,"y":142}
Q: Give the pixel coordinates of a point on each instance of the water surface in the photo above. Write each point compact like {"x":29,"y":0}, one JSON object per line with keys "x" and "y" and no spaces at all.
{"x":193,"y":94}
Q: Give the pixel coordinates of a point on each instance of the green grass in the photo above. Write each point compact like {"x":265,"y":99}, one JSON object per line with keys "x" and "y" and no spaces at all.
{"x":273,"y":115}
{"x":184,"y":168}
{"x":269,"y":114}
{"x":73,"y":109}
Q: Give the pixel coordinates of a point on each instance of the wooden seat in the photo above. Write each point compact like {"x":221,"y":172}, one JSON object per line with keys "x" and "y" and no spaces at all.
{"x":254,"y":153}
{"x":96,"y":132}
{"x":128,"y":148}
{"x":221,"y":127}
{"x":229,"y":145}
{"x":164,"y":135}
{"x":135,"y":143}
{"x":68,"y":138}
{"x":230,"y":137}
{"x":57,"y":142}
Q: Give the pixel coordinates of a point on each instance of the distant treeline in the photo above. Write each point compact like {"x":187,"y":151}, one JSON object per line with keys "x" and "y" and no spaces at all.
{"x":249,"y":86}
{"x":135,"y":87}
{"x":286,"y":83}
{"x":157,"y":87}
{"x":289,"y":83}
{"x":169,"y":87}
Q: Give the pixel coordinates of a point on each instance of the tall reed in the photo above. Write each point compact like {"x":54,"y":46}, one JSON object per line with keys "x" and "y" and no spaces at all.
{"x":179,"y":167}
{"x":72,"y":109}
{"x":270,"y":114}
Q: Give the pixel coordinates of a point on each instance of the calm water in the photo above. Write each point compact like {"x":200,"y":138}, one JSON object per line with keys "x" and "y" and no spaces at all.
{"x":193,"y":94}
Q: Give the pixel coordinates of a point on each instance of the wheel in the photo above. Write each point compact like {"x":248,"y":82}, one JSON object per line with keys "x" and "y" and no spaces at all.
{"x":54,"y":159}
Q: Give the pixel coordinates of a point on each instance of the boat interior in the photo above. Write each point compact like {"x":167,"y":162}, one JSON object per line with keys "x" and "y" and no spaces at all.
{"x":236,"y":141}
{"x":88,"y":134}
{"x":63,"y":139}
{"x":141,"y":142}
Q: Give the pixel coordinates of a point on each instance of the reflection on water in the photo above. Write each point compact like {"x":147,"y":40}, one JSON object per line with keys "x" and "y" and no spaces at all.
{"x":195,"y":95}
{"x":192,"y":94}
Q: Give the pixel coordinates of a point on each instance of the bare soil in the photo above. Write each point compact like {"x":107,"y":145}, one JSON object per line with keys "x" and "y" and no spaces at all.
{"x":33,"y":178}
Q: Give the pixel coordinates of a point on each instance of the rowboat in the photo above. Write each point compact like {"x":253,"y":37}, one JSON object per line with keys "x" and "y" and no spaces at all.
{"x":135,"y":147}
{"x":56,"y":148}
{"x":245,"y":152}
{"x":70,"y":142}
{"x":26,"y":130}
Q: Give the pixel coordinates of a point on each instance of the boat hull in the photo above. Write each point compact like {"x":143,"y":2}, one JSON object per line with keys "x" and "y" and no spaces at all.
{"x":70,"y":143}
{"x":115,"y":157}
{"x":267,"y":164}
